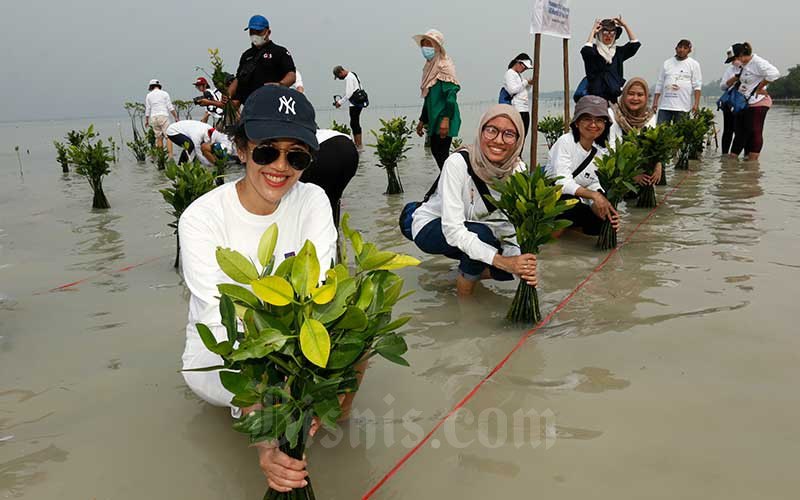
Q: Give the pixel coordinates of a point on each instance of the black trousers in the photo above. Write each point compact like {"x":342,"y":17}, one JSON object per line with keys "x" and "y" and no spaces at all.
{"x":186,"y":145}
{"x":728,"y":128}
{"x":440,"y":148}
{"x":581,"y":216}
{"x":355,"y":119}
{"x":526,"y":120}
{"x":336,"y":163}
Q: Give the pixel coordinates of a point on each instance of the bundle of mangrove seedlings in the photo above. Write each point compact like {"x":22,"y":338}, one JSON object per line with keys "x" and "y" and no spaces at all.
{"x":221,"y":79}
{"x":301,"y":337}
{"x":616,"y":172}
{"x":190,"y":181}
{"x":552,"y":127}
{"x":657,"y":145}
{"x":692,"y":131}
{"x":532,"y":202}
{"x":92,"y":159}
{"x":392,"y":146}
{"x":341,"y":127}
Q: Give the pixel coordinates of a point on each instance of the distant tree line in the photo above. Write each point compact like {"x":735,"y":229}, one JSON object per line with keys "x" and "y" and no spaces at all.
{"x":788,"y":86}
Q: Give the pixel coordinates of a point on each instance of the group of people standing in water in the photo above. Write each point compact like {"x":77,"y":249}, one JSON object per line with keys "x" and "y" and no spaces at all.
{"x":278,"y":141}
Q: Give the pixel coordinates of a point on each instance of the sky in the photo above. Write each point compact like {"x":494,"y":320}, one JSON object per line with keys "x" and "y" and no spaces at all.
{"x":85,"y":58}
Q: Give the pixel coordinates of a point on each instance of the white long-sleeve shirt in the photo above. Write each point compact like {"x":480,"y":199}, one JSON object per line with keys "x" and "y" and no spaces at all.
{"x":565,"y":156}
{"x":677,"y":82}
{"x":753,"y":73}
{"x":218,"y":219}
{"x":730,"y":72}
{"x":350,"y":86}
{"x":157,"y":103}
{"x":518,"y":88}
{"x":456,"y":201}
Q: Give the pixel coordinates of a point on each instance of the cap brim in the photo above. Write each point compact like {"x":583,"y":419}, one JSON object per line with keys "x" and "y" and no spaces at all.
{"x":261,"y":130}
{"x":730,"y":59}
{"x":527,"y":65}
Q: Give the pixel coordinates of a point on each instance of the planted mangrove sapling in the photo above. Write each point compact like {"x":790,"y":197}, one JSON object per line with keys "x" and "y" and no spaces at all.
{"x":531,"y":201}
{"x":300,"y":341}
{"x":183,"y":108}
{"x":552,"y":127}
{"x":159,"y":157}
{"x":92,"y":160}
{"x":341,"y":127}
{"x":190,"y":181}
{"x":616,"y":172}
{"x":456,"y":144}
{"x":62,"y":150}
{"x":392,"y":146}
{"x":657,"y":145}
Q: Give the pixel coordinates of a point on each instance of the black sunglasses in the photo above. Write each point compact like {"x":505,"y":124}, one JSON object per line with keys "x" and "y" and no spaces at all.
{"x":298,"y":159}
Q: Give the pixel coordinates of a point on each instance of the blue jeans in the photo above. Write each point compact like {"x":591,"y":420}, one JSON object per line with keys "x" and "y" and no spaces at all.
{"x":430,"y":239}
{"x":665,"y":115}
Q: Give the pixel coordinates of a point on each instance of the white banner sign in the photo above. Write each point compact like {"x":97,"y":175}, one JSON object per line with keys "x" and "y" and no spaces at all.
{"x":551,"y":17}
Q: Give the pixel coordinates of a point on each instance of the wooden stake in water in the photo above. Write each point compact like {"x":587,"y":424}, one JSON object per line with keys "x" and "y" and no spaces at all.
{"x":19,"y":159}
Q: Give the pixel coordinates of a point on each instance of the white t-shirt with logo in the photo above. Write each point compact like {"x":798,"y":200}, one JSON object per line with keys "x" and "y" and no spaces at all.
{"x":677,"y":82}
{"x":218,"y":219}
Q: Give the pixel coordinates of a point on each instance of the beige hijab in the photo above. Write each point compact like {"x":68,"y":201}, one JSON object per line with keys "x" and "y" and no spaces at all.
{"x":441,"y":67}
{"x":627,"y":119}
{"x":490,"y":172}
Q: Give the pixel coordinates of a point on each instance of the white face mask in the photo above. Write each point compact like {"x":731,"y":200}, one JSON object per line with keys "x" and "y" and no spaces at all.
{"x":258,"y":40}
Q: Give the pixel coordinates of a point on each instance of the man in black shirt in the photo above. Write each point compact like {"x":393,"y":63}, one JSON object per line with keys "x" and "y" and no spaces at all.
{"x":264,"y":62}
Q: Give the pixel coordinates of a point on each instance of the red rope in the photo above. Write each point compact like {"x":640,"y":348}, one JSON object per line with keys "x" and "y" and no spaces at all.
{"x":521,"y":342}
{"x":121,"y":270}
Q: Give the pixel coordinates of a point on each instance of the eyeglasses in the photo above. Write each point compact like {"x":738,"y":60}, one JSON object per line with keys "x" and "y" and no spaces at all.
{"x":491,"y":132}
{"x":596,"y":120}
{"x":298,"y":159}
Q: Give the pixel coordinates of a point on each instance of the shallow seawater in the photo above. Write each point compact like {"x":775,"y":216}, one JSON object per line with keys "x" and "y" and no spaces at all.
{"x":670,"y":374}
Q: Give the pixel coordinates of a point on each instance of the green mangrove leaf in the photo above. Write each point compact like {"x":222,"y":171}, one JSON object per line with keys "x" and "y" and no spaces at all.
{"x":266,"y":246}
{"x":239,"y":294}
{"x":236,"y":266}
{"x":315,"y":343}
{"x":305,"y":270}
{"x":228,"y":314}
{"x":273,"y":290}
{"x":354,"y":319}
{"x":324,"y":294}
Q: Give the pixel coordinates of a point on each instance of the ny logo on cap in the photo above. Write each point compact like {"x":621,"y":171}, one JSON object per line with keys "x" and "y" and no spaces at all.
{"x":287,"y":105}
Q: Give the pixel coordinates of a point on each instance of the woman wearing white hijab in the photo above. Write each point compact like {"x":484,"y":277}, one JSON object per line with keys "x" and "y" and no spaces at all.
{"x":603,"y":59}
{"x":452,"y":222}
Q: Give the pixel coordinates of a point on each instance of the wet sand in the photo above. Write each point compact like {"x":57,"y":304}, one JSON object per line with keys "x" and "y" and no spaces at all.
{"x":671,"y":374}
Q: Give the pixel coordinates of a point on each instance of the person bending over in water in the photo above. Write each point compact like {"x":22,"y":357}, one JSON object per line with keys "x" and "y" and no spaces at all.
{"x":572,"y":159}
{"x":451,"y":222}
{"x":276,"y":148}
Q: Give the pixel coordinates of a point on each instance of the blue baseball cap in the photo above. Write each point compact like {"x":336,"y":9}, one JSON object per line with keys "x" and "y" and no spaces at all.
{"x":278,"y":112}
{"x":257,"y":23}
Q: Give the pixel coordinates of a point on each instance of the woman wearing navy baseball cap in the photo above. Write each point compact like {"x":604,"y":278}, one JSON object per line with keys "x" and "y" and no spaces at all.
{"x":275,"y":139}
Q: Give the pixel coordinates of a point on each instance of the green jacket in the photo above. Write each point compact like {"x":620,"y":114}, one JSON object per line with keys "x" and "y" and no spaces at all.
{"x":439,"y":103}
